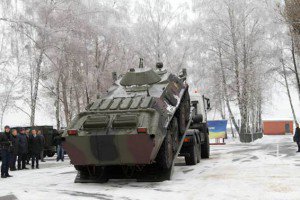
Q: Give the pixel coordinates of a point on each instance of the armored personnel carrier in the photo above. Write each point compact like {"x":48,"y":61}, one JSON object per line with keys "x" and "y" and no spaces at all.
{"x":135,"y":131}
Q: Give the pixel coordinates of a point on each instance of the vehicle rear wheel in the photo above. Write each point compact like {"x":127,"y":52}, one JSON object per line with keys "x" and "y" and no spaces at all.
{"x":192,"y":158}
{"x":205,"y":147}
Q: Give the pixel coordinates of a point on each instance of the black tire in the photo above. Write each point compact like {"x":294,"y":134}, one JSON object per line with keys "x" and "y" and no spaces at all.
{"x":192,"y":158}
{"x":50,"y":154}
{"x":174,"y":132}
{"x":165,"y":154}
{"x":205,"y":147}
{"x":199,"y":153}
{"x":183,"y":113}
{"x":197,"y":119}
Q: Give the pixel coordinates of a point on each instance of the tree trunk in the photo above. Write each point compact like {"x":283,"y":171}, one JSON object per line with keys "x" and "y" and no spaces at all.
{"x":244,"y":93}
{"x":259,"y":121}
{"x":36,"y":88}
{"x":57,"y":105}
{"x":65,"y":100}
{"x":235,"y":52}
{"x":77,"y":100}
{"x":295,"y":65}
{"x":97,"y":65}
{"x":71,"y":105}
{"x":234,"y":41}
{"x":87,"y":96}
{"x":288,"y":90}
{"x":225,"y":91}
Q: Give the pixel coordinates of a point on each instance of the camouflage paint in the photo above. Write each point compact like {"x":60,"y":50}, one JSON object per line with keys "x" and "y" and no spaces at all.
{"x":107,"y":131}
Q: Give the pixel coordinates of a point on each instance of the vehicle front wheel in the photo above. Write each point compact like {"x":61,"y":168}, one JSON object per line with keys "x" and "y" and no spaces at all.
{"x":165,"y":154}
{"x":205,"y":147}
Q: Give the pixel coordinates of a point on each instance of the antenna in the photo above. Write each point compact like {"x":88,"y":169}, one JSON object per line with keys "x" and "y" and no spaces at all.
{"x":114,"y":76}
{"x":141,"y":65}
{"x":148,"y":94}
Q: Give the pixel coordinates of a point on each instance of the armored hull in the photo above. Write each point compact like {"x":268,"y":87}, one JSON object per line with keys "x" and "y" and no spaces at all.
{"x":138,"y":127}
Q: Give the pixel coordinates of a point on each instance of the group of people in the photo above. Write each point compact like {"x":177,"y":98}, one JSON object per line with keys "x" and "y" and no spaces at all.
{"x":19,"y":148}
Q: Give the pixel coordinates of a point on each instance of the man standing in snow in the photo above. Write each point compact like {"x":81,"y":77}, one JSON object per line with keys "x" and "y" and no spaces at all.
{"x":59,"y":147}
{"x":14,"y":149}
{"x":27,"y":132}
{"x":5,"y":146}
{"x":43,"y":144}
{"x":35,"y":143}
{"x":297,"y":137}
{"x":23,"y":149}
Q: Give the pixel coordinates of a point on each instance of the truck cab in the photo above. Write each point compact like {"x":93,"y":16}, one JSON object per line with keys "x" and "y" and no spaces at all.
{"x":201,"y":104}
{"x":196,"y":141}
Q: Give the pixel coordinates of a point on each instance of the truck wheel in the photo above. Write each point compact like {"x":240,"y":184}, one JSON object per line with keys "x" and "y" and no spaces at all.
{"x":205,"y":147}
{"x":50,"y":154}
{"x":192,"y":158}
{"x":165,"y":154}
{"x":199,"y":153}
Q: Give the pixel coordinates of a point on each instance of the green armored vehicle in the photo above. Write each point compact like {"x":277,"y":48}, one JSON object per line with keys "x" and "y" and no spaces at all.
{"x":135,"y":131}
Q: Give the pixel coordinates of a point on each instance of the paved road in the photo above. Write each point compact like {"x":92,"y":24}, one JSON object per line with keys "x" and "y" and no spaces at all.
{"x":266,"y":169}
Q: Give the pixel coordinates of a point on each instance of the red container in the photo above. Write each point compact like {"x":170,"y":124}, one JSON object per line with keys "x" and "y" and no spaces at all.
{"x":278,"y":127}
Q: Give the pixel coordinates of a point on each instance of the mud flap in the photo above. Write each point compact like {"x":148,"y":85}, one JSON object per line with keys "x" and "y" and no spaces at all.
{"x":91,"y":174}
{"x":87,"y":179}
{"x":155,"y":175}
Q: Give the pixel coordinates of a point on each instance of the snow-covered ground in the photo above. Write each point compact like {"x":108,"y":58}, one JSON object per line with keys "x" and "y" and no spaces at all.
{"x":267,"y":169}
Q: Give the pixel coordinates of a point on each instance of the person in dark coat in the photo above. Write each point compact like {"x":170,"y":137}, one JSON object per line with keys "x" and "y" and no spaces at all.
{"x":35,"y":143}
{"x":14,"y":150}
{"x":43,"y":142}
{"x":59,"y":147}
{"x":297,"y":137}
{"x":27,"y":132}
{"x":23,"y":149}
{"x":5,"y":146}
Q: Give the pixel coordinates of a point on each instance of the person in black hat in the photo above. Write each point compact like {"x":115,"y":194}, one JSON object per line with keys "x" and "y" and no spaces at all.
{"x":23,"y":149}
{"x":5,"y":147}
